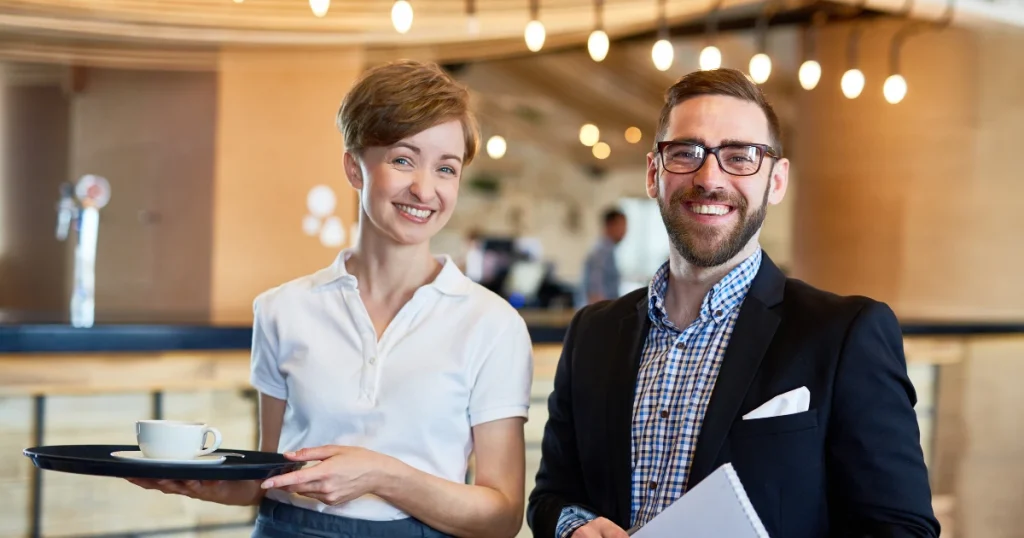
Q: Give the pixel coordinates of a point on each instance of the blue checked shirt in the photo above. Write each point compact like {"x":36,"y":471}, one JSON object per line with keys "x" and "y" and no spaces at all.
{"x":678,"y":370}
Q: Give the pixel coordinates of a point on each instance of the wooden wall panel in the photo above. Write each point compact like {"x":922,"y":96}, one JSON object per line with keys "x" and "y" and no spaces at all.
{"x":151,"y":135}
{"x":33,"y":163}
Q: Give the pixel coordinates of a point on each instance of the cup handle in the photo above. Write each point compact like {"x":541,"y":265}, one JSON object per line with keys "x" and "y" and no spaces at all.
{"x":216,"y":441}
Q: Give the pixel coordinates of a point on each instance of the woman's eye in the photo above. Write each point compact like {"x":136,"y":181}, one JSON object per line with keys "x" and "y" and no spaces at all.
{"x":401,"y":161}
{"x":448,"y":170}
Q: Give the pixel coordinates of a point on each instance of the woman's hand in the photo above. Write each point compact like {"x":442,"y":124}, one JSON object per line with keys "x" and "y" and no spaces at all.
{"x":236,"y":493}
{"x":344,"y":473}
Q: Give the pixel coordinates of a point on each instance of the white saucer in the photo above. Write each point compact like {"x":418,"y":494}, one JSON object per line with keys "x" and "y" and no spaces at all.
{"x":138,"y":456}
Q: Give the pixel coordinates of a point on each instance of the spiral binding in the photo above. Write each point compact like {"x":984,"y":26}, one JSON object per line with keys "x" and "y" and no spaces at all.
{"x":737,"y":487}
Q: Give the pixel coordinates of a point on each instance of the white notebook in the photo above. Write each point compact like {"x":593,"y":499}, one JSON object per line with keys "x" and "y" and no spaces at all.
{"x":718,"y":506}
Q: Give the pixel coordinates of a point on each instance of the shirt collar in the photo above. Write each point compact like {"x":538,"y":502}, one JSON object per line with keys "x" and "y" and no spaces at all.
{"x":450,"y":281}
{"x":719,"y":302}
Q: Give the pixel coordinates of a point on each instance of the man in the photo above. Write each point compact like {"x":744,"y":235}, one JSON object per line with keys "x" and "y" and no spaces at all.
{"x":601,"y":277}
{"x":652,"y":390}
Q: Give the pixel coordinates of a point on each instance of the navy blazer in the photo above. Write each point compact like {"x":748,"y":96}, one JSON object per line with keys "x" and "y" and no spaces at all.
{"x":850,"y":466}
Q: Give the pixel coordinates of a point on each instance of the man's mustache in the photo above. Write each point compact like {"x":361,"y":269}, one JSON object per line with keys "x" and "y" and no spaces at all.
{"x":699,"y":195}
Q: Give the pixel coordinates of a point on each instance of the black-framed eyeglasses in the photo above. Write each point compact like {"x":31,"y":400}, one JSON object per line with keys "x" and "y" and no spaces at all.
{"x":735,"y":159}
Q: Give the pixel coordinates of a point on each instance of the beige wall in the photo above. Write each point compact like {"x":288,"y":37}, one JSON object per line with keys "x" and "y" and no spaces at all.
{"x":276,"y":140}
{"x":916,"y":203}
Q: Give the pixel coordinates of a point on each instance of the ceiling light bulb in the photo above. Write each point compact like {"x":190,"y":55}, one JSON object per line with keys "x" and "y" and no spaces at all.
{"x":319,"y":7}
{"x":662,"y":53}
{"x":710,"y":58}
{"x":894,"y":89}
{"x":534,"y":35}
{"x":602,"y":150}
{"x":496,"y":147}
{"x":633,"y":135}
{"x":589,"y":134}
{"x":473,"y":25}
{"x":809,"y":74}
{"x":598,"y":45}
{"x":401,"y":16}
{"x":760,"y":68}
{"x":852,"y":83}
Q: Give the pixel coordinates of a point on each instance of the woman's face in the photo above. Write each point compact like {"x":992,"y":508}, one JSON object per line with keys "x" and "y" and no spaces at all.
{"x":408,"y":190}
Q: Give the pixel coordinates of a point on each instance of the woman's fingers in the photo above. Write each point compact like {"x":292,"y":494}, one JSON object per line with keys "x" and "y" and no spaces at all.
{"x":144,"y":483}
{"x":317,"y":487}
{"x":173,"y":486}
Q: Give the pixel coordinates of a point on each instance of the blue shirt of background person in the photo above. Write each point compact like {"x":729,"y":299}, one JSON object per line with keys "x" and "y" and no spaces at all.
{"x":601,"y":278}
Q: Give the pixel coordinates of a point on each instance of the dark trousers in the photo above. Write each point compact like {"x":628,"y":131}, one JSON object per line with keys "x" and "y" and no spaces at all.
{"x":279,"y":520}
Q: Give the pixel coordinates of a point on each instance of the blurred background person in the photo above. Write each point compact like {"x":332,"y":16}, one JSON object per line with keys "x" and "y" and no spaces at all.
{"x":601,"y":279}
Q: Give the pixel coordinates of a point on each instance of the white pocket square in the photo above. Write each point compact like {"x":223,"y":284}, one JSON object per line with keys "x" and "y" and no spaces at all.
{"x":794,"y":401}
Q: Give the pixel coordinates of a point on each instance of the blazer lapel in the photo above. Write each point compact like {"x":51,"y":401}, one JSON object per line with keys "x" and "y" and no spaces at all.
{"x":633,"y":328}
{"x":755,"y":327}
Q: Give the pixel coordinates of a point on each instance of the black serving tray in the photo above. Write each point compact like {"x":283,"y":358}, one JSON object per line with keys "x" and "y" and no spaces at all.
{"x":96,"y":460}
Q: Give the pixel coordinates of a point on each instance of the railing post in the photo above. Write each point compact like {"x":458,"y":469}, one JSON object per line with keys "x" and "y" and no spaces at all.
{"x":36,"y":486}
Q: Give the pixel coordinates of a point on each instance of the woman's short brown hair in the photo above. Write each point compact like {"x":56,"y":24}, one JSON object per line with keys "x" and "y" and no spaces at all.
{"x":399,"y":99}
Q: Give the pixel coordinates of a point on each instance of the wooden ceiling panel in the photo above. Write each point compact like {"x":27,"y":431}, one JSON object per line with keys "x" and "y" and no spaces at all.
{"x":363,"y":22}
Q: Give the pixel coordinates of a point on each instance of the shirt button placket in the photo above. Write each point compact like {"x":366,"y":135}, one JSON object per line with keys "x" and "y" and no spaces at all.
{"x":370,"y":378}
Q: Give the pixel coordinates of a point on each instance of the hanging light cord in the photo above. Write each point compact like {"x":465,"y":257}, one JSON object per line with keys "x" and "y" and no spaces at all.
{"x":912,"y":28}
{"x":711,"y":22}
{"x":662,"y":20}
{"x":818,"y":20}
{"x":761,"y":25}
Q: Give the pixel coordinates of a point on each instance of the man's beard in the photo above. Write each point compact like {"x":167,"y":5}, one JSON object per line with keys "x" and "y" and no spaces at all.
{"x":698,"y":244}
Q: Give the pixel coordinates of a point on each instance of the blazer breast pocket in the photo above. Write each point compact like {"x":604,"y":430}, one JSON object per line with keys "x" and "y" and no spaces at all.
{"x":805,"y":420}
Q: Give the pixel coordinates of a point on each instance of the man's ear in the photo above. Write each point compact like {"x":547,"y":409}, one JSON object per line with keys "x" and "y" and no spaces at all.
{"x":652,"y":176}
{"x":779,"y":182}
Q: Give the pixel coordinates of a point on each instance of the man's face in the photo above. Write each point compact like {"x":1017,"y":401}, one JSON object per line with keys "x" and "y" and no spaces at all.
{"x":617,"y":229}
{"x":712,"y":215}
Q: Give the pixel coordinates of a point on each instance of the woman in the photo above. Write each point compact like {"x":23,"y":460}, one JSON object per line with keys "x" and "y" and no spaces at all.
{"x":390,"y":366}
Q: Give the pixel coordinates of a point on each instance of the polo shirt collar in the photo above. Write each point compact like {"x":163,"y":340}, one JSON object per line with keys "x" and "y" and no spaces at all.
{"x":450,"y":281}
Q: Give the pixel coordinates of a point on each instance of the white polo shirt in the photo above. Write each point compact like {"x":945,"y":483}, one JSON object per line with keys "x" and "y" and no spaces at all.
{"x":456,"y":355}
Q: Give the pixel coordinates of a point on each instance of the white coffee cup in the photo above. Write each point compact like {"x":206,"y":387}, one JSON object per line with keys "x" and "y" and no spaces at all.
{"x":175,"y":439}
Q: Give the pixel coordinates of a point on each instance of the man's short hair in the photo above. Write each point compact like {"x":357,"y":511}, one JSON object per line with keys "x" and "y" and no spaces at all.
{"x":724,"y":81}
{"x":611,"y":215}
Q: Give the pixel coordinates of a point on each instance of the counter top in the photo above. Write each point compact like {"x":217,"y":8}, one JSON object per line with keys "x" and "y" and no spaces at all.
{"x":34,"y":336}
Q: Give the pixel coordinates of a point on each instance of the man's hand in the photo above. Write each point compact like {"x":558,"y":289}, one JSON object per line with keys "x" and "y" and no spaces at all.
{"x":600,"y":528}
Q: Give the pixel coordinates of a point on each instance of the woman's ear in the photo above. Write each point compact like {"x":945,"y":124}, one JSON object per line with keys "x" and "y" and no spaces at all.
{"x":353,"y":171}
